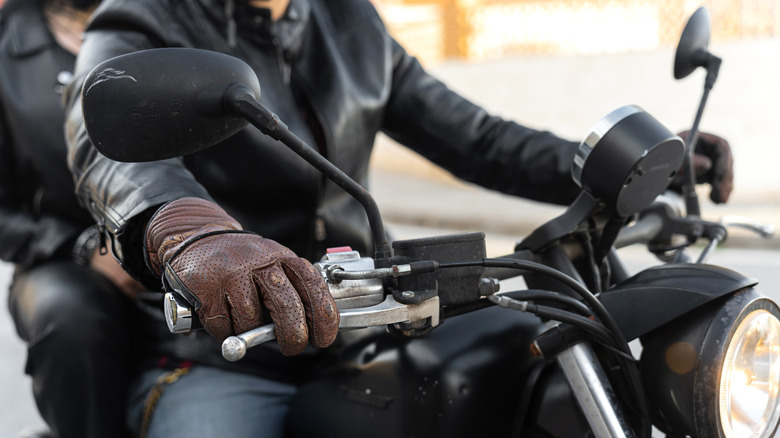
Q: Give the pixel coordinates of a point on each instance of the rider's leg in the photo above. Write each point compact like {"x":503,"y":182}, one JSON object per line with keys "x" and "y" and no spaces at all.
{"x":73,"y":320}
{"x":206,"y":401}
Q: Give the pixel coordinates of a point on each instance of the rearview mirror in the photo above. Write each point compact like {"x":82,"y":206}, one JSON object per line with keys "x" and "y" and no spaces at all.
{"x":162,"y":103}
{"x":692,"y":50}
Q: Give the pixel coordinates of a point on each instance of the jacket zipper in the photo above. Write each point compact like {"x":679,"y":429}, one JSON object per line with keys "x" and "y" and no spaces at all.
{"x":319,"y":229}
{"x":284,"y":65}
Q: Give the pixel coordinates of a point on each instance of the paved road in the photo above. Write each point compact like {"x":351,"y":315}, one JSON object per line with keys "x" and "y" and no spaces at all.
{"x":17,"y":408}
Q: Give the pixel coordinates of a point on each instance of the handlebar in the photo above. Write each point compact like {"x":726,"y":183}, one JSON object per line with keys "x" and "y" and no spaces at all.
{"x":664,"y":219}
{"x":357,"y":288}
{"x":387,"y":312}
{"x":355,"y":285}
{"x":645,"y":230}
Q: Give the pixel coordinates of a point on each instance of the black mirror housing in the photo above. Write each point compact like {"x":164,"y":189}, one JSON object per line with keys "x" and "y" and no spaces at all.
{"x":163,"y":103}
{"x":692,"y":49}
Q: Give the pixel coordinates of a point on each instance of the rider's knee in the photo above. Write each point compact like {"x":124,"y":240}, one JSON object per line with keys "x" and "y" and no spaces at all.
{"x":67,"y":305}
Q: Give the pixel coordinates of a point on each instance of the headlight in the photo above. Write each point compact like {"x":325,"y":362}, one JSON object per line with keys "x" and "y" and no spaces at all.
{"x":749,"y":379}
{"x":716,"y":372}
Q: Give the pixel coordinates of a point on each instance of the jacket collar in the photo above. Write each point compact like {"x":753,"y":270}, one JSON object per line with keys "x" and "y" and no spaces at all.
{"x":28,"y":32}
{"x":292,"y":26}
{"x":289,"y":30}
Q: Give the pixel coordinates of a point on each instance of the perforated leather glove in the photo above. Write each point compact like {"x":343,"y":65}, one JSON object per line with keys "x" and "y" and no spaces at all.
{"x":225,"y":273}
{"x":713,"y":164}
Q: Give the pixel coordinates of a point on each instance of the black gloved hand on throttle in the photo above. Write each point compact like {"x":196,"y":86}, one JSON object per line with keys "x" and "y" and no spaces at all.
{"x":713,"y":164}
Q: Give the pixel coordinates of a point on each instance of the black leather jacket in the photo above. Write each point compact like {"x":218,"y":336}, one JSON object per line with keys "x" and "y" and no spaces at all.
{"x":330,"y":71}
{"x":39,"y":215}
{"x":333,"y":62}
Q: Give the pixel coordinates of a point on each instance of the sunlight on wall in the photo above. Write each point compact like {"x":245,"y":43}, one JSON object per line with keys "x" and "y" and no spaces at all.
{"x":585,"y":29}
{"x":436,"y":30}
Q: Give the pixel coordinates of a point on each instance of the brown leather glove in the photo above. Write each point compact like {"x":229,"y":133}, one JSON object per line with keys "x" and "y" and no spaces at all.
{"x":713,"y":164}
{"x":225,"y":273}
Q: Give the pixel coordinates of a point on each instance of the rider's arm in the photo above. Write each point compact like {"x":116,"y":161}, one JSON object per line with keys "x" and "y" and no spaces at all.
{"x":121,"y":196}
{"x":474,"y":145}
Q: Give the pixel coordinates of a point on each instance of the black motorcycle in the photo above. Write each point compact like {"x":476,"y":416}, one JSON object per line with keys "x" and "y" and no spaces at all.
{"x":430,"y":349}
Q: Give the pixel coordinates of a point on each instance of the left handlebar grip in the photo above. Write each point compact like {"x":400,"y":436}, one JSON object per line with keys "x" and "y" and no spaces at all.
{"x":179,"y":315}
{"x":181,"y":319}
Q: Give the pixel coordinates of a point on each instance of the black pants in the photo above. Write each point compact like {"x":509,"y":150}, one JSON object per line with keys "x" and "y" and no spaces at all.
{"x":75,"y":324}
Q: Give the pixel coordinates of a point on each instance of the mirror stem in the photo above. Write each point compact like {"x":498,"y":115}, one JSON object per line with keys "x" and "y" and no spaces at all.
{"x":241,"y":101}
{"x":689,"y":189}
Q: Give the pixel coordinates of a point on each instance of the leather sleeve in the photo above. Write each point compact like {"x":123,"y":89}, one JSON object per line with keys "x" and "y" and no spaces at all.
{"x":121,"y":196}
{"x":425,"y":115}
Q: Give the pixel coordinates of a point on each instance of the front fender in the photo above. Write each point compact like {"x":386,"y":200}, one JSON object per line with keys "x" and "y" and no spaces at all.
{"x":658,"y":295}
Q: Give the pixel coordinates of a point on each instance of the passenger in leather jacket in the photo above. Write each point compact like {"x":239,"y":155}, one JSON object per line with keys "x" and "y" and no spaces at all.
{"x":332,"y":73}
{"x":65,"y":298}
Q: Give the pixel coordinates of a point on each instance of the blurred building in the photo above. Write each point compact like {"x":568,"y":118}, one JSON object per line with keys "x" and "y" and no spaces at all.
{"x":435,"y":30}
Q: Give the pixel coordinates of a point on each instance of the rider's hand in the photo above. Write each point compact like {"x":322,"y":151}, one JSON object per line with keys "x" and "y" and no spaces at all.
{"x":713,"y":164}
{"x":228,"y":272}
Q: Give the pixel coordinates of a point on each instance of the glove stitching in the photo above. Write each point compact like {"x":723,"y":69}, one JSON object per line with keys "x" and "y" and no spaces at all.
{"x":212,"y":318}
{"x":214,"y":314}
{"x":235,"y":321}
{"x":239,"y":324}
{"x":146,"y":252}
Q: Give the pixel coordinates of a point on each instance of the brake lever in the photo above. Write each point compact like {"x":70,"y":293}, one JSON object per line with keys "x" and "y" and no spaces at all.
{"x":387,"y":312}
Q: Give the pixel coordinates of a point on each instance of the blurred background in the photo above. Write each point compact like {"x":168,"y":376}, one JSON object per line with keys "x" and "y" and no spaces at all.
{"x":562,"y":64}
{"x":476,"y":30}
{"x":558,"y":65}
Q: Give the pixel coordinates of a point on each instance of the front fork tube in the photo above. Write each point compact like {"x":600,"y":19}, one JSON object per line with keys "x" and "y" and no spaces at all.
{"x":593,"y":392}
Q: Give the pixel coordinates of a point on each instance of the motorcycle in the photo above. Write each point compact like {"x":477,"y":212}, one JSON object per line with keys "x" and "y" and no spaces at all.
{"x":430,"y":348}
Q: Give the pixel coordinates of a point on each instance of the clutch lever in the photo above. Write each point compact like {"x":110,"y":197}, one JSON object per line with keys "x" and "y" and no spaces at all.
{"x":764,"y":230}
{"x":387,"y":312}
